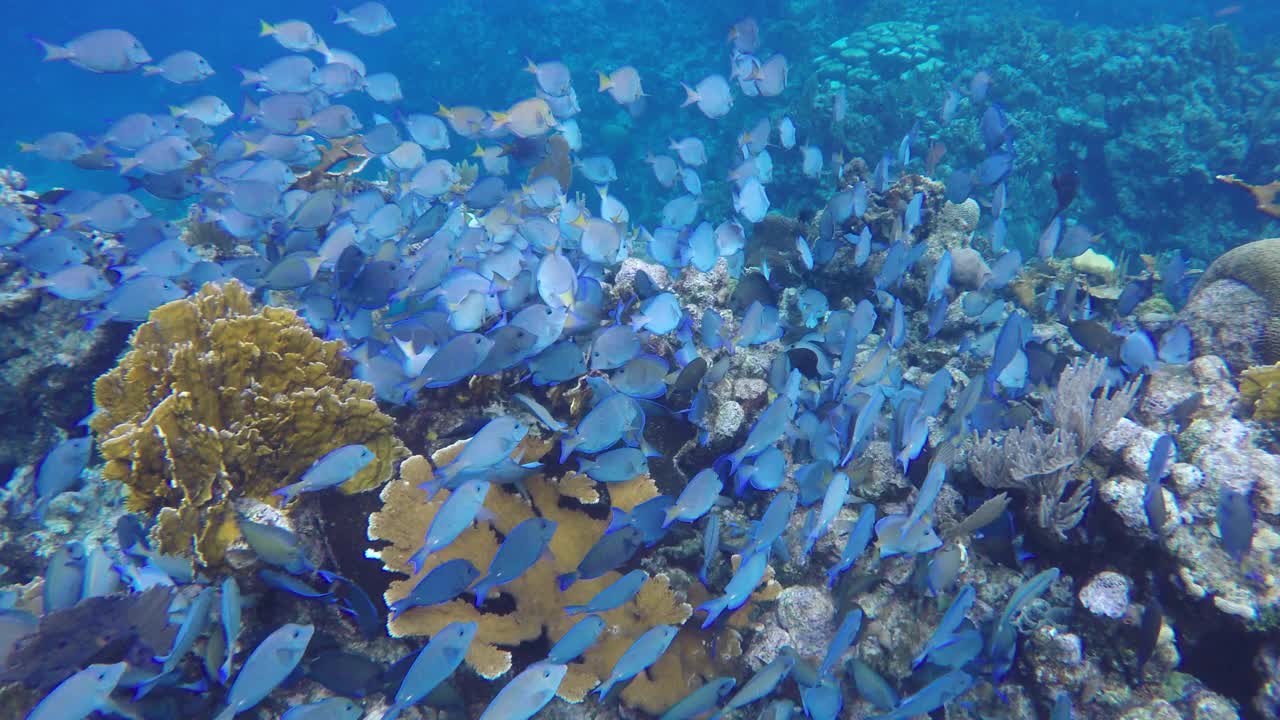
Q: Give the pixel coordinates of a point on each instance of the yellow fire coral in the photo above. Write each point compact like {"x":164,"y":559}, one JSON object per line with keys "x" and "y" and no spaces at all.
{"x":217,"y":401}
{"x":1261,"y":387}
{"x":538,"y":603}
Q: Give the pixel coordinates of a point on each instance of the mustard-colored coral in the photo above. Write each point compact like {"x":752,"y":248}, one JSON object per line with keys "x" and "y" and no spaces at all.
{"x":1261,"y":387}
{"x":217,"y":400}
{"x":538,"y":603}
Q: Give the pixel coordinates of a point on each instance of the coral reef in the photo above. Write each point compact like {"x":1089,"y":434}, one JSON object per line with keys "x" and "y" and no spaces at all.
{"x":216,"y":401}
{"x":538,"y":604}
{"x":1256,"y":266}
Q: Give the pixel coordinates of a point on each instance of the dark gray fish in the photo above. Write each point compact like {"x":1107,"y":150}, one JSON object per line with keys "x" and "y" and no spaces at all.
{"x":690,"y":376}
{"x":753,"y":287}
{"x":959,"y":184}
{"x":995,"y":168}
{"x":344,"y":673}
{"x":1235,"y":523}
{"x":644,"y":285}
{"x":1149,"y":633}
{"x":994,"y":127}
{"x":1096,"y":338}
{"x":608,"y":553}
{"x":1135,"y":292}
{"x":487,"y":193}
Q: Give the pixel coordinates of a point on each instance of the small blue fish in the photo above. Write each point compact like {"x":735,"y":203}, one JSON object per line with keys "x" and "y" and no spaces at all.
{"x":702,"y":700}
{"x":64,"y":577}
{"x":81,"y":694}
{"x":334,"y":708}
{"x":950,"y":622}
{"x":766,"y":472}
{"x":644,"y":376}
{"x":762,"y":684}
{"x":268,"y":666}
{"x":559,"y":363}
{"x":434,"y":663}
{"x":660,"y":315}
{"x":193,"y":626}
{"x":696,"y":498}
{"x":911,"y":215}
{"x":527,"y":693}
{"x":603,"y":426}
{"x":823,"y":701}
{"x":645,"y":651}
{"x":492,"y":444}
{"x":1235,"y":523}
{"x":772,"y":524}
{"x":609,"y":552}
{"x":873,"y":687}
{"x":615,"y":466}
{"x":1137,"y":354}
{"x":832,"y":501}
{"x":646,"y":517}
{"x":806,"y":255}
{"x":229,"y":611}
{"x":941,"y":278}
{"x":544,"y":416}
{"x":527,"y":543}
{"x":760,"y":324}
{"x":844,"y":639}
{"x":291,"y":584}
{"x":813,"y":306}
{"x":577,"y":640}
{"x":335,"y":468}
{"x":859,"y":538}
{"x":615,"y":595}
{"x":768,"y":429}
{"x":712,"y":331}
{"x":1175,"y":345}
{"x":614,"y":347}
{"x":275,"y":546}
{"x":443,"y":583}
{"x":460,"y":509}
{"x":897,"y":536}
{"x":932,"y":696}
{"x":740,"y":587}
{"x":60,"y":470}
{"x":710,"y":546}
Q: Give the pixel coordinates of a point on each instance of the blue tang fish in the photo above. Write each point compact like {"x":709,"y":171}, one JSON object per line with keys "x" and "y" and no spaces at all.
{"x":696,"y":498}
{"x":609,"y":552}
{"x":859,"y":538}
{"x":645,"y":651}
{"x":577,"y":640}
{"x":434,"y":663}
{"x":527,"y":693}
{"x":81,"y":694}
{"x":520,"y":550}
{"x":740,"y":587}
{"x":701,"y":700}
{"x":335,"y":468}
{"x":460,"y":509}
{"x":445,"y":582}
{"x":614,"y":466}
{"x":762,"y":684}
{"x":615,"y":595}
{"x":268,"y":666}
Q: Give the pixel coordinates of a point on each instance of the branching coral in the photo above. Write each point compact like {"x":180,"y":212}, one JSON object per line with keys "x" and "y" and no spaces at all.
{"x":216,"y":401}
{"x":538,"y":604}
{"x":1265,"y":196}
{"x":1040,"y":461}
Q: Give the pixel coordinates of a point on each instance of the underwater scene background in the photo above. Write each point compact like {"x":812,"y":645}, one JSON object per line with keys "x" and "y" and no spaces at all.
{"x":640,"y":359}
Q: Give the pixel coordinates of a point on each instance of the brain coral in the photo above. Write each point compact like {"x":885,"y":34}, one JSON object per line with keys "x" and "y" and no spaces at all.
{"x":217,"y":401}
{"x":536,"y":605}
{"x":1257,"y":266}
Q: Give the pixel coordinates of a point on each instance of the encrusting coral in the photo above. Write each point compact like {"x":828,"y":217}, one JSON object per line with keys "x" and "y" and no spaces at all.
{"x":217,"y":401}
{"x":538,"y":603}
{"x":1261,"y":387}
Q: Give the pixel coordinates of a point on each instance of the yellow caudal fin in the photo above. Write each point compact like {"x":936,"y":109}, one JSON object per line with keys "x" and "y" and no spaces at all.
{"x":605,"y":82}
{"x":267,"y":29}
{"x":499,"y":118}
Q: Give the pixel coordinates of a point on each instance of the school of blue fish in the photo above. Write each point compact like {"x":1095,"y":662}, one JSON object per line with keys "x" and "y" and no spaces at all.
{"x":438,"y":273}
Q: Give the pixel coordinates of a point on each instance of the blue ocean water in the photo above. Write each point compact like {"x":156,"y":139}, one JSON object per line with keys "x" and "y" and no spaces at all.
{"x":871,"y":300}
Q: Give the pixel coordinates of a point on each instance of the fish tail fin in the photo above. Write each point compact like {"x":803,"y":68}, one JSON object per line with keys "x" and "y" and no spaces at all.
{"x":713,"y":608}
{"x":127,"y":163}
{"x":691,"y":96}
{"x":149,"y":70}
{"x":530,"y":66}
{"x":618,"y":519}
{"x":605,"y":81}
{"x":228,"y":714}
{"x":341,"y":16}
{"x":250,"y":148}
{"x":418,"y":558}
{"x":832,"y":574}
{"x":669,"y":516}
{"x":565,"y":580}
{"x":499,"y":118}
{"x":574,"y":609}
{"x":266,"y":29}
{"x":250,"y":77}
{"x":53,"y":52}
{"x":284,"y":493}
{"x":26,"y":147}
{"x":91,"y":321}
{"x":566,"y":448}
